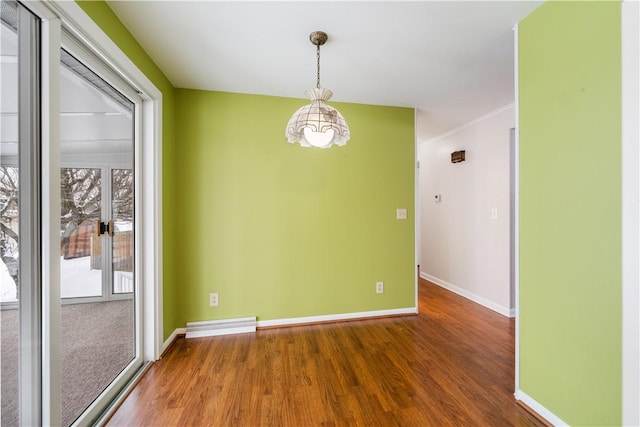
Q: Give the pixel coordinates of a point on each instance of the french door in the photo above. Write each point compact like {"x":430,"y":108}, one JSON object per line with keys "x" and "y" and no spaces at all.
{"x":70,"y":249}
{"x":97,"y":233}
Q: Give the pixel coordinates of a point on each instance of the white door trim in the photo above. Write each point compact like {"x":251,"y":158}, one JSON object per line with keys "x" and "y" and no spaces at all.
{"x":516,"y":211}
{"x":630,"y":213}
{"x":417,"y":210}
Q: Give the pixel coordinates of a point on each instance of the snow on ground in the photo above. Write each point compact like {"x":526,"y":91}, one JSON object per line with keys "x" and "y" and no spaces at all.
{"x":77,"y":280}
{"x":7,"y":285}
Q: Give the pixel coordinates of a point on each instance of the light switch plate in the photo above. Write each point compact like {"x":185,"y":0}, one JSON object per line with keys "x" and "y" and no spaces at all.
{"x":401,"y":214}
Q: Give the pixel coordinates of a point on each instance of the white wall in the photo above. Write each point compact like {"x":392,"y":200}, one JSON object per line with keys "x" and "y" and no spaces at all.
{"x":462,"y":247}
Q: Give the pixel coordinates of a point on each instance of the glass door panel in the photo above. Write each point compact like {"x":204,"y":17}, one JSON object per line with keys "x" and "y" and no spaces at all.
{"x":9,"y":229}
{"x":123,"y":233}
{"x":81,"y":245}
{"x":97,"y":281}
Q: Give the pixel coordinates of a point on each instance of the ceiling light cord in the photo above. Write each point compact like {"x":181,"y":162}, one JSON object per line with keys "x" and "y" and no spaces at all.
{"x":318,"y":59}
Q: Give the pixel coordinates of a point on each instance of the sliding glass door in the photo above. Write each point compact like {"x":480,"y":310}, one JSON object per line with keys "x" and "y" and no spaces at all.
{"x":97,"y":228}
{"x":71,"y":331}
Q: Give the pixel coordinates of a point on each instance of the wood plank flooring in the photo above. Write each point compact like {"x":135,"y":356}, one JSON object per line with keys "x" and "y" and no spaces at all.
{"x":451,"y":365}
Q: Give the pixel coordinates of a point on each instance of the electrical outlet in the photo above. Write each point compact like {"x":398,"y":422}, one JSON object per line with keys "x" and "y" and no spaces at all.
{"x":213,"y":299}
{"x":379,"y":287}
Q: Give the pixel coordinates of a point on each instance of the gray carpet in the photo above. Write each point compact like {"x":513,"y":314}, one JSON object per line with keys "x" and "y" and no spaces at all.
{"x":97,"y":343}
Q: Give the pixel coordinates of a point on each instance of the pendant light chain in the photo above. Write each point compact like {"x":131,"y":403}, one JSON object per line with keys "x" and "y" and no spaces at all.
{"x":318,"y":58}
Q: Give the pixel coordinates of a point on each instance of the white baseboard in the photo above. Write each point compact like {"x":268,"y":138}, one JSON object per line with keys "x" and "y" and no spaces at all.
{"x":172,"y":338}
{"x":540,"y":410}
{"x":213,"y":328}
{"x":306,"y":320}
{"x":336,"y":317}
{"x":470,"y":295}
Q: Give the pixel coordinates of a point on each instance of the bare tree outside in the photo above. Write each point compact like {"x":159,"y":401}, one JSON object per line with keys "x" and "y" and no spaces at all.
{"x":9,"y":220}
{"x":122,"y":194}
{"x":80,"y":207}
{"x":80,"y":201}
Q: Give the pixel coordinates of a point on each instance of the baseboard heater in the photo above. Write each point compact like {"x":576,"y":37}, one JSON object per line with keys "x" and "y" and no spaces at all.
{"x":211,"y":328}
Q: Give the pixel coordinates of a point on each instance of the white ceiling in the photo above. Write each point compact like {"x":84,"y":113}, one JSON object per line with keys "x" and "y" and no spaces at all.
{"x":91,"y":122}
{"x":452,"y":60}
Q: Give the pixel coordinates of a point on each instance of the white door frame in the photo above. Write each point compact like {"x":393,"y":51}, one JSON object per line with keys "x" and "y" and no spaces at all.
{"x":630,"y":213}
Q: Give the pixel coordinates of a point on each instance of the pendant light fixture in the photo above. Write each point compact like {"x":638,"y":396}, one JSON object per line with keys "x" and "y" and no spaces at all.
{"x":317,"y":124}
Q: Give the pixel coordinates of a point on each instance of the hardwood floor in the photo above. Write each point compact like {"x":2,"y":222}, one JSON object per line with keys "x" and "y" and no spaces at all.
{"x":451,"y":365}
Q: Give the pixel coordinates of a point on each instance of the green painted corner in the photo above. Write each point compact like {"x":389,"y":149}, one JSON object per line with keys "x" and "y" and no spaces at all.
{"x":570,"y":210}
{"x":281,"y":231}
{"x":104,"y":17}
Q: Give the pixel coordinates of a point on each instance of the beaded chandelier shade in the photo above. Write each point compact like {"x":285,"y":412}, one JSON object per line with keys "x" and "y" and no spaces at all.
{"x":317,"y":124}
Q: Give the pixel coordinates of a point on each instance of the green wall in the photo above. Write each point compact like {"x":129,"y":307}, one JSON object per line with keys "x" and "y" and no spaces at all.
{"x":281,"y":231}
{"x":570,"y":210}
{"x":102,"y":15}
